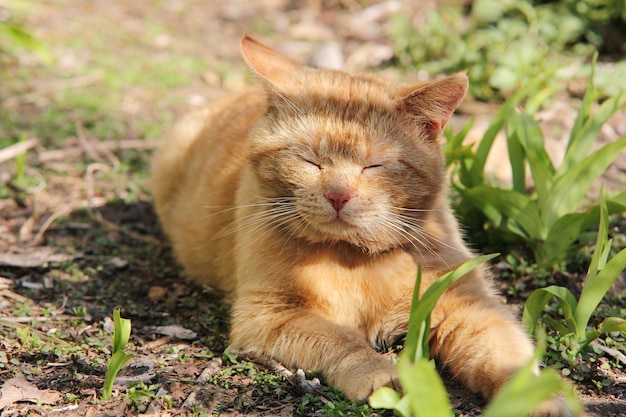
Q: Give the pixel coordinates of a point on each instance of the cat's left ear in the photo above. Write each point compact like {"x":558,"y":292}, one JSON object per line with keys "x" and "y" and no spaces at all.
{"x":431,"y":104}
{"x":272,"y":67}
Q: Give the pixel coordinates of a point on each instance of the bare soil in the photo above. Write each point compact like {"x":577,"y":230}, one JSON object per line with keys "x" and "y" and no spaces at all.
{"x":81,"y":238}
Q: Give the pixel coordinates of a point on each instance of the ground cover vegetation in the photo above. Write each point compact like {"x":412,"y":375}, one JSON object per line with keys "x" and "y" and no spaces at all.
{"x":82,"y":101}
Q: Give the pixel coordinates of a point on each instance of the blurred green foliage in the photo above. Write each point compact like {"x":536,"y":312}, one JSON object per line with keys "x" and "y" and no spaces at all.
{"x":14,"y":35}
{"x":551,"y":220}
{"x":505,"y":43}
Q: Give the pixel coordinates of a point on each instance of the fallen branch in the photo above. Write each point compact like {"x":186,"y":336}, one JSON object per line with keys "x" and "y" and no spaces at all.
{"x":53,"y":87}
{"x":613,"y":352}
{"x":110,"y":146}
{"x":17,"y":149}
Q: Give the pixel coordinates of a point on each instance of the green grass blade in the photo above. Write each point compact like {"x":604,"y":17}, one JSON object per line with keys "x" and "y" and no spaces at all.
{"x":568,"y":229}
{"x":417,"y":327}
{"x":121,"y":332}
{"x":584,"y":137}
{"x":385,"y":397}
{"x":541,"y":167}
{"x":389,"y":399}
{"x":585,"y":110}
{"x":525,"y":391}
{"x":594,"y":290}
{"x":477,"y":171}
{"x":619,"y":200}
{"x":598,"y":258}
{"x":601,"y":241}
{"x":557,"y":325}
{"x":496,"y":202}
{"x":454,"y":142}
{"x":117,"y":361}
{"x":422,"y":307}
{"x":427,"y":394}
{"x":539,"y":298}
{"x":570,"y":187}
{"x":517,"y":157}
{"x":562,"y":235}
{"x":497,"y":122}
{"x":612,"y":324}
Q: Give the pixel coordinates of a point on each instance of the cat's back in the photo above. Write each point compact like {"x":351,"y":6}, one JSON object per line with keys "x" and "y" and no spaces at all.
{"x":195,"y":172}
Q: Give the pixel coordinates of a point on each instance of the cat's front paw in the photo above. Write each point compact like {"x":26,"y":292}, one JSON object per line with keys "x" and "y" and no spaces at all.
{"x":359,"y":377}
{"x":554,"y":407}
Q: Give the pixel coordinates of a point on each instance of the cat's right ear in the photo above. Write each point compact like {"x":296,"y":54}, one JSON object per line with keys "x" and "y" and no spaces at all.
{"x":273,"y":68}
{"x":431,"y":104}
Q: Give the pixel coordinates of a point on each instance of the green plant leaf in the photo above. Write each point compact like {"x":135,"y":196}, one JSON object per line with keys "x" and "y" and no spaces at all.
{"x":421,"y":382}
{"x":601,"y":242}
{"x":539,"y":298}
{"x":563,"y":233}
{"x":584,"y":137}
{"x":520,"y":396}
{"x":531,"y":138}
{"x":616,"y":203}
{"x":600,"y":275}
{"x":585,"y":109}
{"x":421,"y":308}
{"x":568,"y":229}
{"x":527,"y":390}
{"x":612,"y":324}
{"x":413,"y":343}
{"x":596,"y":288}
{"x":570,"y":187}
{"x":121,"y":332}
{"x":557,"y":325}
{"x":517,"y":157}
{"x":497,"y":202}
{"x":497,"y":122}
{"x":385,"y":397}
{"x":117,"y":361}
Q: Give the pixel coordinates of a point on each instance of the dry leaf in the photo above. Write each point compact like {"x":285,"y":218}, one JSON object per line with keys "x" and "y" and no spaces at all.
{"x":176,"y":331}
{"x":157,"y":293}
{"x":35,"y":257}
{"x":19,"y":389}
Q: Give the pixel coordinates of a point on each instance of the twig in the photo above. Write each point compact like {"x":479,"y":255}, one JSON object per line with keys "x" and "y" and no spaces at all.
{"x":7,"y":323}
{"x":14,"y":296}
{"x":110,"y":146}
{"x":17,"y":149}
{"x":88,"y":144}
{"x":613,"y":352}
{"x":39,"y":318}
{"x":53,"y":87}
{"x":39,"y":236}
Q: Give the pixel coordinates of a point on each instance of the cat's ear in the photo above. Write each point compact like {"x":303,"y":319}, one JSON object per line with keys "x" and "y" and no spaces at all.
{"x":269,"y":65}
{"x":431,"y":104}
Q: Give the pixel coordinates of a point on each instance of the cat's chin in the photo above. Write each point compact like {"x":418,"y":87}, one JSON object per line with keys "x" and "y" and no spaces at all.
{"x":341,"y":232}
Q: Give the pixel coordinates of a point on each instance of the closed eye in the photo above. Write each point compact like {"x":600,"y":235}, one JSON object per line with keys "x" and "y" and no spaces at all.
{"x":372,"y":166}
{"x":313,"y":163}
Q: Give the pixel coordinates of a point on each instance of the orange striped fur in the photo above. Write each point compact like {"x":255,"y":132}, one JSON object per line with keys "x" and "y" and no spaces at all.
{"x":310,"y":200}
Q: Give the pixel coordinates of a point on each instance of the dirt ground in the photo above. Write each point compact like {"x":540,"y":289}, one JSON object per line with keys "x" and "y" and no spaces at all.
{"x":82,"y":239}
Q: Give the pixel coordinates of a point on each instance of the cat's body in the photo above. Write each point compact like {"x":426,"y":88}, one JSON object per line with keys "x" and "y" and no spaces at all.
{"x":310,"y":202}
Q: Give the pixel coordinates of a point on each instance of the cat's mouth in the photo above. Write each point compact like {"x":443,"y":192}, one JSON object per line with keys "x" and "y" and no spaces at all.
{"x":339,"y":226}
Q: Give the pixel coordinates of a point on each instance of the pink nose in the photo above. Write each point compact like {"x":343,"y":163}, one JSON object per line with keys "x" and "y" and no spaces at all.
{"x":338,"y":199}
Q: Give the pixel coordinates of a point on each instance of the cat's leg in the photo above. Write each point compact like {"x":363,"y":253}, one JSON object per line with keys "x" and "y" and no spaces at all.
{"x":301,"y":338}
{"x":480,"y":341}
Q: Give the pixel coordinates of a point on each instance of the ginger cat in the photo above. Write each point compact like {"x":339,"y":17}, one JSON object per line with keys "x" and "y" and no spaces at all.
{"x":310,"y":200}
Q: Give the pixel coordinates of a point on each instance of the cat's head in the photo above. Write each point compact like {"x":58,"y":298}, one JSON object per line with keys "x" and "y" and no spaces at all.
{"x":351,"y":158}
